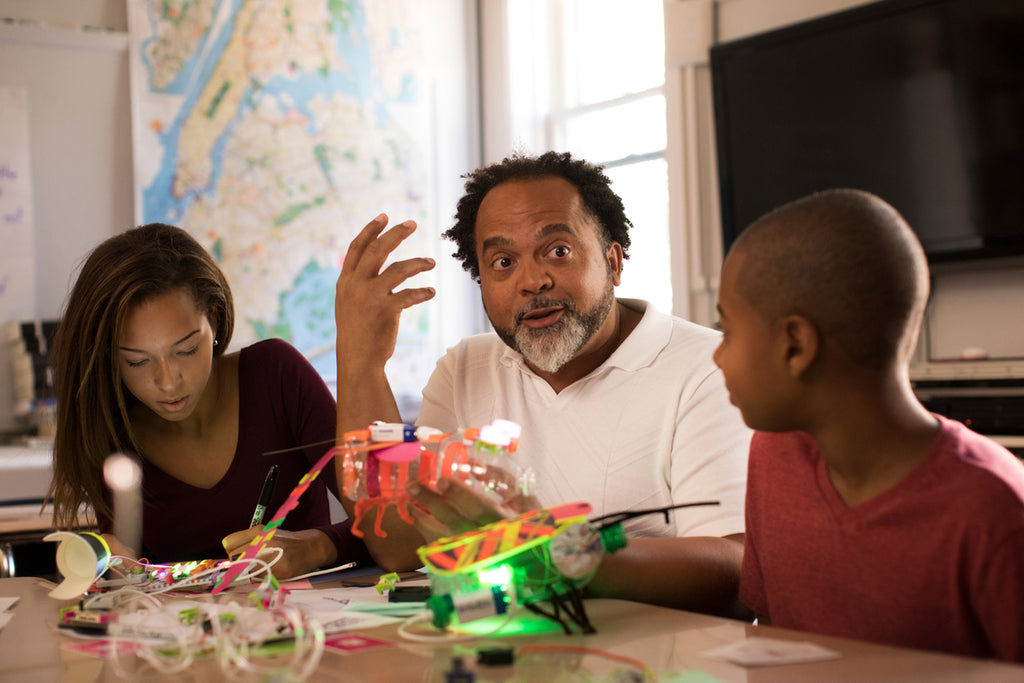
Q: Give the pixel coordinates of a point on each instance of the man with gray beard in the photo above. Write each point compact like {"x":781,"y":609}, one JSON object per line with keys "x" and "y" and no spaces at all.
{"x":621,"y":406}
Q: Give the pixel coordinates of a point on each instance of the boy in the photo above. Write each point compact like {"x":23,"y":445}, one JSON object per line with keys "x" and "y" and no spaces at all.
{"x":867,"y":516}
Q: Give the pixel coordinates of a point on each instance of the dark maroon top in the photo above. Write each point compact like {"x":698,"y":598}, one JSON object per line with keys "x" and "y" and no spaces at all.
{"x":283,"y":403}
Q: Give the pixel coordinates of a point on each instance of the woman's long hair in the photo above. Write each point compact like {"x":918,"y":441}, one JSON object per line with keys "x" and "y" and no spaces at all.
{"x":92,"y":404}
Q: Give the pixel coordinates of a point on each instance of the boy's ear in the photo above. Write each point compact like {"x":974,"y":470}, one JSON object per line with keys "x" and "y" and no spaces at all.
{"x":801,"y":339}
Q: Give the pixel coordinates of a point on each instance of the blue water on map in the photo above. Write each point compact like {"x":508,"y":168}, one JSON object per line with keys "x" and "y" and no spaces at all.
{"x":159,"y":202}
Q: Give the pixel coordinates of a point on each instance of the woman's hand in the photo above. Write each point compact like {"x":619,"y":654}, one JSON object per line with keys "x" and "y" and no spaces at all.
{"x":303,"y":551}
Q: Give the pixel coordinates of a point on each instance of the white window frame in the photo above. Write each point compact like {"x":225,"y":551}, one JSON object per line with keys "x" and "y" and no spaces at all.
{"x":532,"y":120}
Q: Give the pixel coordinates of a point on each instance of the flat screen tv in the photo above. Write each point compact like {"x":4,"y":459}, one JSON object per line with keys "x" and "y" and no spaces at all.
{"x":918,"y":101}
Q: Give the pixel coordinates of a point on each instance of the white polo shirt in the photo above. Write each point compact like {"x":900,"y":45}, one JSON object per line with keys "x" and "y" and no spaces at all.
{"x":649,"y":427}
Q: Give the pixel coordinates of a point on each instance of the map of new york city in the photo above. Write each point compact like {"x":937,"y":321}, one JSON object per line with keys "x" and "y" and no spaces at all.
{"x":274,"y":130}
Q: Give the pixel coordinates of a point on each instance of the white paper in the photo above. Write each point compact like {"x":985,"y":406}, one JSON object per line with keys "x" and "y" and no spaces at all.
{"x":771,"y":652}
{"x":5,"y":614}
{"x":336,"y":611}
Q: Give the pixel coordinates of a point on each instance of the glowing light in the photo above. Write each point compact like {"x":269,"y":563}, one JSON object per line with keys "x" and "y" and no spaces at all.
{"x":499,"y":575}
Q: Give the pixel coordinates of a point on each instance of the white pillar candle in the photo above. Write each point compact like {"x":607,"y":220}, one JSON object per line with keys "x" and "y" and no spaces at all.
{"x":124,"y":479}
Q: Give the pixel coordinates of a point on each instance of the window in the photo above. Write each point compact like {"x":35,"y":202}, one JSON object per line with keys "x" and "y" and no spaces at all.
{"x":588,"y":76}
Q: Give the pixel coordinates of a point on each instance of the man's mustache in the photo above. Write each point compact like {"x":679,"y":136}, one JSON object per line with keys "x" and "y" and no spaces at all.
{"x":544,"y":303}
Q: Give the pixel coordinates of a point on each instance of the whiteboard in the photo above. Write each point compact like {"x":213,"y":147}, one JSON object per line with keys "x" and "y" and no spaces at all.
{"x":17,"y":258}
{"x":79,"y":143}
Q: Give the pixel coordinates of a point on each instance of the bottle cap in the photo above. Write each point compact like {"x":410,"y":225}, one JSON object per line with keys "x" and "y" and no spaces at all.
{"x":613,"y":538}
{"x":495,"y":436}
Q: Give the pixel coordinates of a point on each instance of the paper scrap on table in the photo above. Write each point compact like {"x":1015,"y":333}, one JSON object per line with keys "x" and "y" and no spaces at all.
{"x":690,"y":676}
{"x":391,"y":609}
{"x":5,"y":610}
{"x":353,"y":621}
{"x":349,"y":644}
{"x":336,"y":614}
{"x":355,"y":600}
{"x":103,"y":648}
{"x":771,"y":652}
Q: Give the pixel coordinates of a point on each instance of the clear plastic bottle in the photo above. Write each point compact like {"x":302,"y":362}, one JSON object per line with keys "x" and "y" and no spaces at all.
{"x":365,"y":468}
{"x":375,"y":472}
{"x":484,"y":459}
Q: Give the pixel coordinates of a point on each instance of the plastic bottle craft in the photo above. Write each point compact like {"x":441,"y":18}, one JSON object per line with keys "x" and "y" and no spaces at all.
{"x":378,"y":462}
{"x":485,"y":460}
{"x":538,"y":561}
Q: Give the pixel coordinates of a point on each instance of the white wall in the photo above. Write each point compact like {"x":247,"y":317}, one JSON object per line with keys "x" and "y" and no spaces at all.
{"x":80,"y":139}
{"x":79,"y":112}
{"x":974,"y":306}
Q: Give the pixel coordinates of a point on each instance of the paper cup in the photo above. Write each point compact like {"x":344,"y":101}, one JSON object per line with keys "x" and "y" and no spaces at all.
{"x":81,"y":559}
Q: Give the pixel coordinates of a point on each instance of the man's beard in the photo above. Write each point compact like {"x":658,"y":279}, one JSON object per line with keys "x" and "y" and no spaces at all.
{"x":551,"y":348}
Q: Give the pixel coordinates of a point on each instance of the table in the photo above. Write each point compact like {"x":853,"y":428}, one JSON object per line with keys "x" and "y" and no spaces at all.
{"x":667,"y":641}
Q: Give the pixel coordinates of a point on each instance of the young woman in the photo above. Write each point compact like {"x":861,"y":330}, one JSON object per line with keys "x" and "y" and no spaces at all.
{"x":140,"y":368}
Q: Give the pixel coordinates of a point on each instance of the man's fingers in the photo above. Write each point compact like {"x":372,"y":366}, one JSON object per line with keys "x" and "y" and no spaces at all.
{"x":473,"y":505}
{"x":429,"y":526}
{"x":447,"y":515}
{"x":520,"y":504}
{"x":433,"y":502}
{"x":369,"y":258}
{"x":362,"y":241}
{"x":410,"y":297}
{"x":400,"y":271}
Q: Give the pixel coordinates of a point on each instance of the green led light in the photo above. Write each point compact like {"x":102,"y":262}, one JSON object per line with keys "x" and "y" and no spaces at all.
{"x":498,"y":575}
{"x":526,"y":623}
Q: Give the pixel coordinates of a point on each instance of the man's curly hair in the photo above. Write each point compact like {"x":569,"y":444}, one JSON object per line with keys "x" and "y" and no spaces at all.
{"x":593,"y":185}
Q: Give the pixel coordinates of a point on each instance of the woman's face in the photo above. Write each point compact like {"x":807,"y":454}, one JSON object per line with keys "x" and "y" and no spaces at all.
{"x":166,"y":354}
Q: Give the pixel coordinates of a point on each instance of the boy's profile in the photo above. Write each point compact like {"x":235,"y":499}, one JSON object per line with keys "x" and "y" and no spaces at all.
{"x":867,"y":516}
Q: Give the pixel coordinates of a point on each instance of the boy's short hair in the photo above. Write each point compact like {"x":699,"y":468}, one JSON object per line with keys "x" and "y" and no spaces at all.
{"x":848,"y":262}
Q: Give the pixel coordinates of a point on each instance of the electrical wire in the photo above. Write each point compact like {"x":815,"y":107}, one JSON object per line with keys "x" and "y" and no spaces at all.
{"x":340,"y":567}
{"x":444,"y":637}
{"x":239,"y":634}
{"x":617,"y":517}
{"x":176,"y":643}
{"x":263,"y":568}
{"x":156,"y":634}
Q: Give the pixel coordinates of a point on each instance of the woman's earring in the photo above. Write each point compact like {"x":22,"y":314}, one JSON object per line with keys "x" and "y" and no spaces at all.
{"x":215,"y":342}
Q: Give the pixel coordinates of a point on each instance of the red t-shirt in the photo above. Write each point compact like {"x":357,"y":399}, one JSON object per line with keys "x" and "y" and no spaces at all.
{"x":936,"y":562}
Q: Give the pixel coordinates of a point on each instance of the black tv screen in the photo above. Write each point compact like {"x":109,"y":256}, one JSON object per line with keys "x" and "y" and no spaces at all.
{"x":918,"y":101}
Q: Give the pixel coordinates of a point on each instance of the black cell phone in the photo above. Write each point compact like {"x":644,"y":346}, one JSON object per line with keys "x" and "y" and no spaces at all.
{"x":409,"y":594}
